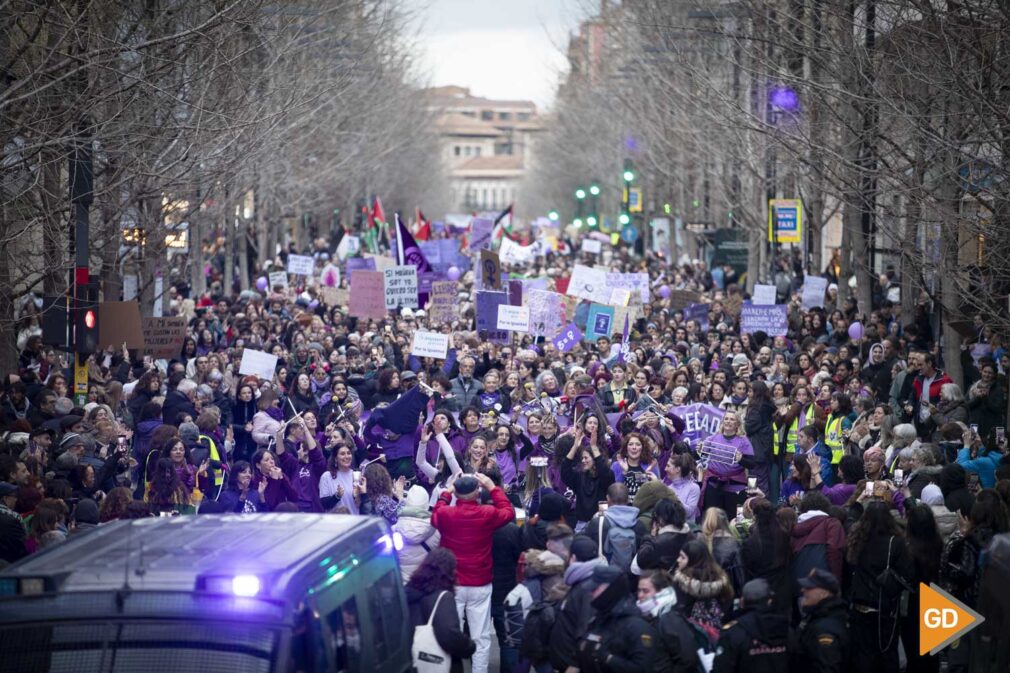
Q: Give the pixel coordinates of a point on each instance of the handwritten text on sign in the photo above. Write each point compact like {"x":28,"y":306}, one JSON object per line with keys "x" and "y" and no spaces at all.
{"x":300,"y":265}
{"x":568,"y":338}
{"x":401,"y":287}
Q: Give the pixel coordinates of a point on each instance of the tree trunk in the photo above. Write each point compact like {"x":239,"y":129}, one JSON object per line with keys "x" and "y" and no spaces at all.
{"x":229,"y":244}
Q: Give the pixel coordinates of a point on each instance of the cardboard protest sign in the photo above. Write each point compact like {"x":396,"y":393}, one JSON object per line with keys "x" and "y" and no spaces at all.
{"x":480,"y":233}
{"x":258,"y":363}
{"x":368,"y":295}
{"x":772,"y":320}
{"x":334,"y":296}
{"x":490,"y":271}
{"x":430,"y":345}
{"x":163,"y":337}
{"x":547,"y":312}
{"x":620,"y":296}
{"x":443,"y":304}
{"x":401,"y":287}
{"x":814,"y":289}
{"x":567,"y":338}
{"x":487,"y":304}
{"x":600,"y":322}
{"x":278,"y":279}
{"x":591,"y":246}
{"x":683,"y":298}
{"x":119,"y":323}
{"x":300,"y":265}
{"x":589,"y":283}
{"x":763,"y":295}
{"x":381,"y":262}
{"x":514,"y":318}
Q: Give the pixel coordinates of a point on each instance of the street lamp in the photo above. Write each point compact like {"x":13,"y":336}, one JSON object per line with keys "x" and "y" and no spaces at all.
{"x":580,"y":193}
{"x":591,"y":220}
{"x":624,"y":219}
{"x":577,"y":222}
{"x":629,"y":176}
{"x":594,"y":190}
{"x":553,"y":216}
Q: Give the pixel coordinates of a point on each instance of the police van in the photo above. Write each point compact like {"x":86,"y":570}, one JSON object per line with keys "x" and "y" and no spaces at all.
{"x":292,"y":593}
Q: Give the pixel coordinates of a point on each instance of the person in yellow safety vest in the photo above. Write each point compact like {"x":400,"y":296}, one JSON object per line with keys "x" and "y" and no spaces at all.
{"x":788,"y":421}
{"x":836,"y":431}
{"x":216,"y":469}
{"x":208,"y":422}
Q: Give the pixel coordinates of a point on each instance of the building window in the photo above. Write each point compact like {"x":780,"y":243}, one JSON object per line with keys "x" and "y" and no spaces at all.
{"x":455,"y":150}
{"x":523,"y":116}
{"x":487,"y":115}
{"x":483,"y":198}
{"x":466,"y":150}
{"x":504,"y":116}
{"x":476,"y":151}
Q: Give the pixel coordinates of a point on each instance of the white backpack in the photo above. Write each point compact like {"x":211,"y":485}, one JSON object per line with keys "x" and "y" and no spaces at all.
{"x":429,"y":657}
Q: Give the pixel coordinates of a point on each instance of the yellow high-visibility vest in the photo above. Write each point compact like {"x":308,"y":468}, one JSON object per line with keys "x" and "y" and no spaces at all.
{"x":833,"y":438}
{"x":794,"y":431}
{"x":215,"y":455}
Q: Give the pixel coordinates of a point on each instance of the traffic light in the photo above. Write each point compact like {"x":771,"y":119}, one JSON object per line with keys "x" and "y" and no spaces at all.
{"x":577,"y":222}
{"x":629,"y":175}
{"x":591,"y":221}
{"x":580,"y":193}
{"x":594,"y":190}
{"x":86,"y":320}
{"x":553,"y":216}
{"x":624,"y":218}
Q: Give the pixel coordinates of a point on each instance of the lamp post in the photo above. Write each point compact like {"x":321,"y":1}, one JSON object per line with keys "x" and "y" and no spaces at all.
{"x":580,"y":197}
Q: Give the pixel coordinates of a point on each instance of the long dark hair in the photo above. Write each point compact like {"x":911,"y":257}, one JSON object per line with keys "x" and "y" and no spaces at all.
{"x":701,"y":565}
{"x":436,"y":573}
{"x":875,"y":522}
{"x":924,"y":541}
{"x":166,"y":485}
{"x":238,"y":468}
{"x":768,"y":530}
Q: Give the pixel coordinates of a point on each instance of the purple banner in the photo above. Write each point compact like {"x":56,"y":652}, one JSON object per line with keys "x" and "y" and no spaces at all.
{"x":701,"y":420}
{"x":772,"y":320}
{"x":698,"y":312}
{"x":487,"y":316}
{"x":568,"y":338}
{"x":361,"y":263}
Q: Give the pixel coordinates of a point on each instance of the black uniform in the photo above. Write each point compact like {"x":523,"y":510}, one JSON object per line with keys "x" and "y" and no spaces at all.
{"x":824,"y":639}
{"x":758,"y":641}
{"x":677,"y":648}
{"x":618,"y":641}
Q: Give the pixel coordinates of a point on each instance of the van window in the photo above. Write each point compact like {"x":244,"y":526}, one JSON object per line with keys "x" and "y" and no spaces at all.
{"x":346,"y":634}
{"x":387,"y":616}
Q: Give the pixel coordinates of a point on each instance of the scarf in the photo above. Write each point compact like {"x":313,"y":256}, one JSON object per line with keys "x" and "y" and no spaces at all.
{"x":275,"y":413}
{"x":577,"y":571}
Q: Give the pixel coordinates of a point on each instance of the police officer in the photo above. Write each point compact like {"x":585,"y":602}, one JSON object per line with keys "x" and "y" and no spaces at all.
{"x":618,"y":640}
{"x":824,"y":631}
{"x":758,"y":636}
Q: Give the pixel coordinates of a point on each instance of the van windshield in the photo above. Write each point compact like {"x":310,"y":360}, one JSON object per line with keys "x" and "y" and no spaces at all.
{"x":128,"y":646}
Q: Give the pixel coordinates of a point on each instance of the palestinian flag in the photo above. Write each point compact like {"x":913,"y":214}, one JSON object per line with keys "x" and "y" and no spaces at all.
{"x":501,"y":226}
{"x":370,"y":233}
{"x":423,"y":232}
{"x":378,"y":218}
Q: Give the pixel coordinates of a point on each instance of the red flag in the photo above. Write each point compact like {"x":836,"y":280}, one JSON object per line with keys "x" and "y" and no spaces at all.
{"x":378,"y":214}
{"x":423,"y":227}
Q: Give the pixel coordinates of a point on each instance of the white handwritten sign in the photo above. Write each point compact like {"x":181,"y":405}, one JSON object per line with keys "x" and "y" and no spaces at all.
{"x":300,"y":265}
{"x":814,"y":288}
{"x":258,"y":363}
{"x":278,"y":278}
{"x":401,"y":287}
{"x":763,"y":295}
{"x":591,"y":246}
{"x":589,"y":283}
{"x":514,"y":318}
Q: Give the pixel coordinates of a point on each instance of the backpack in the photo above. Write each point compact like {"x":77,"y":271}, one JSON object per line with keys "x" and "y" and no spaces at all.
{"x":536,"y":638}
{"x":808,"y":558}
{"x":618,"y":546}
{"x":517,"y":606}
{"x":429,"y":657}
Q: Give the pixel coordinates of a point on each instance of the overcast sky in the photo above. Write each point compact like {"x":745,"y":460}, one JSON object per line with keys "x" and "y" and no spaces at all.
{"x":499,"y":48}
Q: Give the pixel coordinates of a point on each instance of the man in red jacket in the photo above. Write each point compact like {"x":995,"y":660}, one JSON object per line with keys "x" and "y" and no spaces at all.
{"x":466,"y":529}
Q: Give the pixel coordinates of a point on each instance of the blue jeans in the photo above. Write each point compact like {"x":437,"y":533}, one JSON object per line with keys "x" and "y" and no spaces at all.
{"x":509,"y":655}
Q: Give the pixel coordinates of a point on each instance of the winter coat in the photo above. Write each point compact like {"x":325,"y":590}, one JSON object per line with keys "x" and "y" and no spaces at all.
{"x":824,"y":639}
{"x":624,"y":516}
{"x":463,"y":396}
{"x":987,"y":411}
{"x":946,"y":520}
{"x":419,"y":538}
{"x":954,"y":486}
{"x":864,"y":589}
{"x":506,"y":547}
{"x":467,"y":529}
{"x":618,"y":641}
{"x":446,"y":624}
{"x":264,"y":429}
{"x":661,"y":551}
{"x":984,"y":465}
{"x":176,"y":403}
{"x":242,"y":413}
{"x":727,"y":553}
{"x":301,"y":404}
{"x":818,"y":540}
{"x":575,"y":613}
{"x":676,"y":645}
{"x":758,"y":641}
{"x":589,"y":491}
{"x":232,"y":501}
{"x":760,"y":561}
{"x":758,"y":425}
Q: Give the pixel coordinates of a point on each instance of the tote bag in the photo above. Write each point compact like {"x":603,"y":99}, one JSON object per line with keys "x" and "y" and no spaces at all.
{"x":429,"y":657}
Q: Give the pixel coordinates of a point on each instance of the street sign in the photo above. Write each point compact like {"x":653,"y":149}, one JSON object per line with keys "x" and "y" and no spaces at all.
{"x":629,"y":234}
{"x":634,"y":200}
{"x":785,"y":220}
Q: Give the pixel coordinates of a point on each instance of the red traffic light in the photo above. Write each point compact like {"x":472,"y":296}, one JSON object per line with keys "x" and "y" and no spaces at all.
{"x":89,"y":319}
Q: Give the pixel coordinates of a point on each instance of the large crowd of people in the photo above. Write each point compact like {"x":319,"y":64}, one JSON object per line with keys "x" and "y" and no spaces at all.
{"x":568,"y":501}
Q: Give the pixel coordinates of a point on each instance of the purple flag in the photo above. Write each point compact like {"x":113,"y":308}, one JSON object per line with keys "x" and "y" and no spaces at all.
{"x":408,"y":252}
{"x":568,"y":338}
{"x":625,"y":346}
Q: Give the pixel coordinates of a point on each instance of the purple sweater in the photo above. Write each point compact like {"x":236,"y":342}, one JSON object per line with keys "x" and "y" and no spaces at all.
{"x":734,"y":474}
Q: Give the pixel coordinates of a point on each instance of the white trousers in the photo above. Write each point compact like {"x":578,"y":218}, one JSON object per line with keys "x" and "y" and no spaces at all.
{"x":474,"y":603}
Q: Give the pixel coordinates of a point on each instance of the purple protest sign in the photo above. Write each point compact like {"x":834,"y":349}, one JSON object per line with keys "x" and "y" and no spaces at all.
{"x":487,"y":316}
{"x":359,"y":263}
{"x":515,"y":288}
{"x":568,"y":338}
{"x":772,"y":320}
{"x":698,"y":312}
{"x":701,"y":422}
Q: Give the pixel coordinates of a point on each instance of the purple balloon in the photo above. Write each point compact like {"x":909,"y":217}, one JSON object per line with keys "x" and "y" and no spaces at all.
{"x":664,"y":291}
{"x":262,"y":284}
{"x":452,"y":273}
{"x":856,"y":331}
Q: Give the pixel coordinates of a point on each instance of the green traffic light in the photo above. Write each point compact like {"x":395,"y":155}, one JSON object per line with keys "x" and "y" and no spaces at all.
{"x":629,"y":176}
{"x":577,"y":222}
{"x":553,"y":216}
{"x":624,"y":219}
{"x":594,"y":190}
{"x":666,"y":208}
{"x":580,"y":193}
{"x":591,"y":221}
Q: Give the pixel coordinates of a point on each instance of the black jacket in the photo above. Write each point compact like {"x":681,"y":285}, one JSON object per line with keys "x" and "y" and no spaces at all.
{"x":618,"y":641}
{"x":661,"y":551}
{"x":676,"y":648}
{"x":760,"y":561}
{"x":571,"y":622}
{"x":758,"y":641}
{"x":506,"y":546}
{"x":760,"y":432}
{"x":606,"y":397}
{"x":589,"y":491}
{"x":446,"y":624}
{"x":824,"y":639}
{"x":176,"y":403}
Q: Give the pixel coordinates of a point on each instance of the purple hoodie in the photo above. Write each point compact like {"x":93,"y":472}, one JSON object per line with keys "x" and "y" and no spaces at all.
{"x":735,"y":474}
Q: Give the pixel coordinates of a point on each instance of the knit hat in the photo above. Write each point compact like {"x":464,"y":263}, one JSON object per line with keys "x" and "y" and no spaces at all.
{"x":932,"y":495}
{"x":416,"y":497}
{"x":552,"y":506}
{"x":583,"y":548}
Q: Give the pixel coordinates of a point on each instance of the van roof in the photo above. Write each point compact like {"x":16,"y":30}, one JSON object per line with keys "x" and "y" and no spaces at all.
{"x":170,"y":554}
